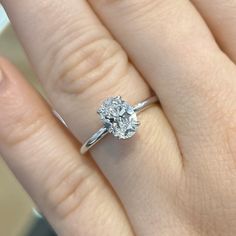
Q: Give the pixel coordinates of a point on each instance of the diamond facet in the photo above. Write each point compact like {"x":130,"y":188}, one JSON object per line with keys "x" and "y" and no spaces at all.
{"x":118,"y":117}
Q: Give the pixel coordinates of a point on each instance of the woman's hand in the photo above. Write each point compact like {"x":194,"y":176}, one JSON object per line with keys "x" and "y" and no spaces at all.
{"x":177,"y":175}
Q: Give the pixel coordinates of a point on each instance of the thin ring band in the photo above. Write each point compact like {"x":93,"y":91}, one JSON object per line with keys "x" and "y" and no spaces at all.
{"x":104,"y":131}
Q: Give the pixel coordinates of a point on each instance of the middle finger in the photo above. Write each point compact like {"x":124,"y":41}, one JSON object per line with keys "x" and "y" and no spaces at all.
{"x":172,"y":46}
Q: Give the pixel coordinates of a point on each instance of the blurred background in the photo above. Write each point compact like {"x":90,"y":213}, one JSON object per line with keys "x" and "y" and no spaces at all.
{"x":18,"y":215}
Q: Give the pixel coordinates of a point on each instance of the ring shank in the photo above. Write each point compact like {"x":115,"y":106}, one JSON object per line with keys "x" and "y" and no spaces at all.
{"x":145,"y":104}
{"x":103,"y":131}
{"x":93,"y":140}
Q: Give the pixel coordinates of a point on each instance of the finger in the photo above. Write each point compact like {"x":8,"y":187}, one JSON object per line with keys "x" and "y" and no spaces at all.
{"x":68,"y":188}
{"x":172,"y":47}
{"x":80,"y":65}
{"x":220,"y":17}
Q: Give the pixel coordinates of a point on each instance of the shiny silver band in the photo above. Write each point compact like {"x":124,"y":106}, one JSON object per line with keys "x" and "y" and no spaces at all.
{"x":103,"y":131}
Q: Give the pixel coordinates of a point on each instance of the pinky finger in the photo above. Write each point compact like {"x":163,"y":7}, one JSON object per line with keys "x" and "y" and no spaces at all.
{"x":68,"y":188}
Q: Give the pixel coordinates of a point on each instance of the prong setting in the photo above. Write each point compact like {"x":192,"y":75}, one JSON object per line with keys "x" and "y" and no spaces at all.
{"x":118,"y":117}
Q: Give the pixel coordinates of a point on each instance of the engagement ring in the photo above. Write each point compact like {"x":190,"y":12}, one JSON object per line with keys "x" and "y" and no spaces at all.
{"x":119,"y":118}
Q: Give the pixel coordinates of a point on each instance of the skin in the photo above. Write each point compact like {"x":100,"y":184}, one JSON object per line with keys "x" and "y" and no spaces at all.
{"x":177,"y":175}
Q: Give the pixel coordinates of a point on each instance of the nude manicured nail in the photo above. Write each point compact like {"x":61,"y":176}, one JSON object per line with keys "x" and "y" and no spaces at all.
{"x":2,"y":79}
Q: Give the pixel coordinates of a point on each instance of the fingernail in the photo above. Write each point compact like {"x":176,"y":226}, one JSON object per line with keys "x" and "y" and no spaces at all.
{"x":2,"y":79}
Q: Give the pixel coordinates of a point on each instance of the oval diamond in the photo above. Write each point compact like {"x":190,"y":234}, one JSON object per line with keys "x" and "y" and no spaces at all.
{"x":118,"y":117}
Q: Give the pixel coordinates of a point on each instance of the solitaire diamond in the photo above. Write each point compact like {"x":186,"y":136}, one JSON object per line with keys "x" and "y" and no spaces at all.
{"x":118,"y":117}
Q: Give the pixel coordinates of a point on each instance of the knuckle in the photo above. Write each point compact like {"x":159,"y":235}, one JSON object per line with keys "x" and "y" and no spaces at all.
{"x":83,"y":65}
{"x":127,"y":3}
{"x":72,"y":191}
{"x":135,"y":9}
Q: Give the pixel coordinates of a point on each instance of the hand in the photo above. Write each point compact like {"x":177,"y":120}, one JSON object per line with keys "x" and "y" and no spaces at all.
{"x":177,"y":175}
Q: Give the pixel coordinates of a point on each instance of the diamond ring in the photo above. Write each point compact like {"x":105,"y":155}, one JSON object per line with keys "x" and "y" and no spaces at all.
{"x":119,"y":118}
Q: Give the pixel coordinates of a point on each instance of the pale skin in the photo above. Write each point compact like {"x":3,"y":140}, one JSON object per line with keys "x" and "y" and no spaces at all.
{"x":177,"y":175}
